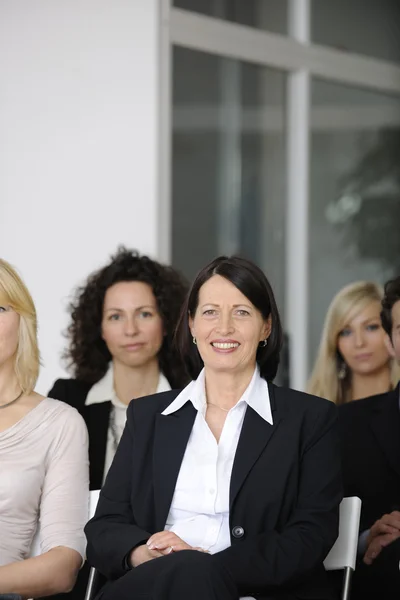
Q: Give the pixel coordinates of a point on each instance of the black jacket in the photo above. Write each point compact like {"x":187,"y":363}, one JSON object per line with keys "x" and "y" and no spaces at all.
{"x":370,"y":446}
{"x":284,"y":495}
{"x":96,"y":417}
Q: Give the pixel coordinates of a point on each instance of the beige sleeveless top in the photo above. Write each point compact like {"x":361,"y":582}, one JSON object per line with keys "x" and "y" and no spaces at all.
{"x":44,"y":479}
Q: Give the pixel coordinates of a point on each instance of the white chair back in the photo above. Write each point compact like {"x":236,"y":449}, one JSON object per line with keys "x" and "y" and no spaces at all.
{"x":344,"y":552}
{"x":93,"y":499}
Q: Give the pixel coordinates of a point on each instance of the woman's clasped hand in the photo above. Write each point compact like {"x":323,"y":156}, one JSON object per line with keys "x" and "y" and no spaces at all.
{"x":160,"y":544}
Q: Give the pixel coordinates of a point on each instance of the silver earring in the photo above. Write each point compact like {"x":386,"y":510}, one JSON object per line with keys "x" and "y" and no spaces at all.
{"x":194,"y":341}
{"x":342,"y":372}
{"x":263,"y":343}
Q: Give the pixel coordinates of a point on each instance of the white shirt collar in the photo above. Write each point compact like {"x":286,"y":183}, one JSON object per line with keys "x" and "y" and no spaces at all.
{"x":103,"y":390}
{"x":256,"y":396}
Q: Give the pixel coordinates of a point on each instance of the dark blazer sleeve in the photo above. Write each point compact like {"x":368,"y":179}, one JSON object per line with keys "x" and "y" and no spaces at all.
{"x":70,"y":391}
{"x":276,"y":558}
{"x":59,"y":391}
{"x":112,"y":532}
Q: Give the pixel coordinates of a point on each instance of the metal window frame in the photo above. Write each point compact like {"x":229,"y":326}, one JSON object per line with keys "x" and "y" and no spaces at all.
{"x":240,"y":42}
{"x":298,"y":160}
{"x":164,"y":131}
{"x":302,"y":60}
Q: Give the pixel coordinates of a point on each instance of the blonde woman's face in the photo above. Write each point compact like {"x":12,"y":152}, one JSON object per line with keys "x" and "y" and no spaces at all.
{"x":362,"y":342}
{"x":9,"y":334}
{"x":132,"y":326}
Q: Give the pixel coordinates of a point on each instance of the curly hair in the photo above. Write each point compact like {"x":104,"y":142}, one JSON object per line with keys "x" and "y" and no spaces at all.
{"x":88,"y":356}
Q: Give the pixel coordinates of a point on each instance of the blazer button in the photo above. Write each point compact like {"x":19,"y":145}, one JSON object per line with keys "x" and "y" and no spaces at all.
{"x":238,"y":532}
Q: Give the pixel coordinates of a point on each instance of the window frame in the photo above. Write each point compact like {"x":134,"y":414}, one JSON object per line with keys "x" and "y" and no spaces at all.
{"x":301,"y":59}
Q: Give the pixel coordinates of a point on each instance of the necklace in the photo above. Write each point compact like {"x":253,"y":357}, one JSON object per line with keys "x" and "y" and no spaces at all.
{"x":220,"y":407}
{"x":12,"y":401}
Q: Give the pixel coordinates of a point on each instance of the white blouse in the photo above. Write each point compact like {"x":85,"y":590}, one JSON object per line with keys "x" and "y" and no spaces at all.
{"x":103,"y":391}
{"x":199,"y":512}
{"x":44,"y":477}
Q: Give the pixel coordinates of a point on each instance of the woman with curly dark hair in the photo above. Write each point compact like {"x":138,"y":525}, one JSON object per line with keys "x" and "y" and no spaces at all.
{"x":121,"y":333}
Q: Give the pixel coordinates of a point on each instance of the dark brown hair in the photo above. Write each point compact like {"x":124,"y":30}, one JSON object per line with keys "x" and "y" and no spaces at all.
{"x":390,"y":297}
{"x":88,"y":356}
{"x":252,"y":282}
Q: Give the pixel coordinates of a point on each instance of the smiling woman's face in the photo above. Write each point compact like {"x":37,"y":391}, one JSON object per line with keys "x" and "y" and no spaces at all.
{"x":228,"y":327}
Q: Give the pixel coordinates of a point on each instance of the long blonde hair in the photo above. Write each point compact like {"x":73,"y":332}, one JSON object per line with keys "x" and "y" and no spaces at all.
{"x":351,"y":300}
{"x":14,"y":293}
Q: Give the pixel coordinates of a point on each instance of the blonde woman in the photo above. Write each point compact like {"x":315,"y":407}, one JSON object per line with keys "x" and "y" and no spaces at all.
{"x":43,"y":461}
{"x":354,"y":359}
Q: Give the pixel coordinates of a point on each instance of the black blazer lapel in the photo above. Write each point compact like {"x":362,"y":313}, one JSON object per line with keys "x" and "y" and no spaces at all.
{"x":97,"y":419}
{"x":170,"y":440}
{"x":385,"y":424}
{"x":254,"y":437}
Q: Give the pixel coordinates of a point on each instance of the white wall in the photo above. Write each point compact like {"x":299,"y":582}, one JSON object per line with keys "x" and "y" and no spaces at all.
{"x":78,"y":145}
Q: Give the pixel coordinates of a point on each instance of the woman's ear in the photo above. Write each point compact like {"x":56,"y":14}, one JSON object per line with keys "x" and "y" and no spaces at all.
{"x":266,"y":331}
{"x":191,"y":325}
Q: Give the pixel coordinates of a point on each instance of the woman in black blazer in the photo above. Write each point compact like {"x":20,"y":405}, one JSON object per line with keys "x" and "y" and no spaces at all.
{"x":122,"y":324}
{"x":232,"y":484}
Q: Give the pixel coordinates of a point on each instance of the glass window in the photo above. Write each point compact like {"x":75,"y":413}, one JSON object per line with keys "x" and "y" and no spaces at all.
{"x":270,"y":15}
{"x":354,"y":193}
{"x":228,"y":172}
{"x":369,"y":27}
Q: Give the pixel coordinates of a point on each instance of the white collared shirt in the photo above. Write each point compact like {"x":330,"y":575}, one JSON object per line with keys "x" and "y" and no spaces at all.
{"x":199,"y":512}
{"x":103,"y":391}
